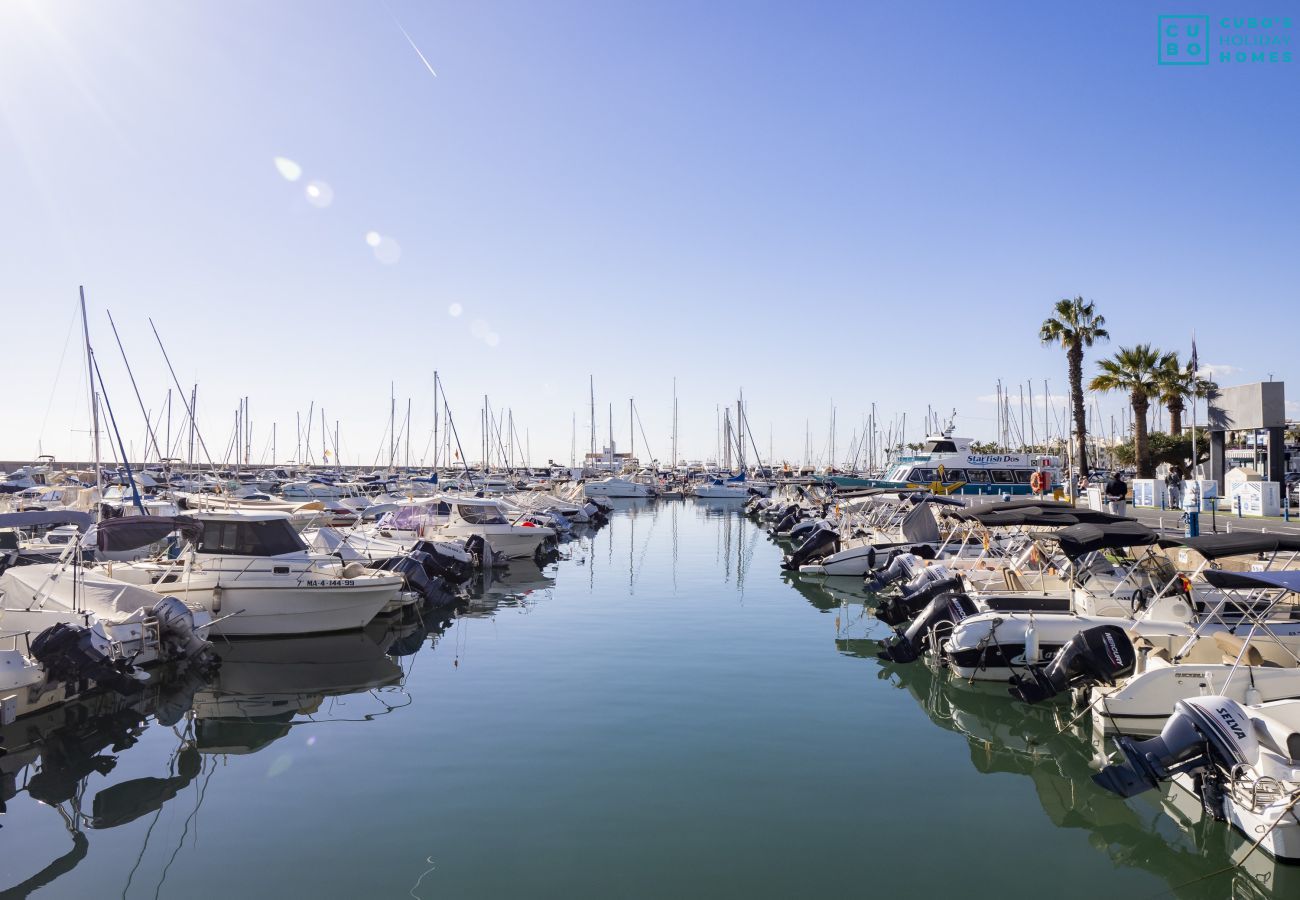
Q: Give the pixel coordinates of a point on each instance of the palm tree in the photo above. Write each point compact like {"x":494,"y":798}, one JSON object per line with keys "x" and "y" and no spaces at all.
{"x":1136,"y":370}
{"x":1177,"y":383}
{"x":1075,"y":325}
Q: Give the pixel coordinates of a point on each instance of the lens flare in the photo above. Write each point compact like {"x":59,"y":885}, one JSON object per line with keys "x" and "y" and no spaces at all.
{"x":287,"y":168}
{"x":319,"y":194}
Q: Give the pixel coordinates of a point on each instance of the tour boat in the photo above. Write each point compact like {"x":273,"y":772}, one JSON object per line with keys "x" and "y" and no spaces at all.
{"x":947,"y":465}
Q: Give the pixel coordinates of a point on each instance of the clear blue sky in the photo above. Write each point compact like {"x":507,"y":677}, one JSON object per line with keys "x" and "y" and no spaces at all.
{"x":820,"y":203}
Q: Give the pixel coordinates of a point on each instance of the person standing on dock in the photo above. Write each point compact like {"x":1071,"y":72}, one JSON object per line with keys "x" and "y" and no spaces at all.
{"x":1175,"y":486}
{"x":1116,"y":493}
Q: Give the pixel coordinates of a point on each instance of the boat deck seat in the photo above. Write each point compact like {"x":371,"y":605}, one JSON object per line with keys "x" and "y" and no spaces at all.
{"x":1155,"y":656}
{"x":1262,"y":651}
{"x":1278,"y":729}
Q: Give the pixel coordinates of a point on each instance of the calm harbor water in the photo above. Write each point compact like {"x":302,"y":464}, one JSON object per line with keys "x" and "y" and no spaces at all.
{"x":659,"y":713}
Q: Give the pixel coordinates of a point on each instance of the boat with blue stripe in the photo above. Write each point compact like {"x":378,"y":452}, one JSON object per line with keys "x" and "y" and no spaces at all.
{"x":946,"y":464}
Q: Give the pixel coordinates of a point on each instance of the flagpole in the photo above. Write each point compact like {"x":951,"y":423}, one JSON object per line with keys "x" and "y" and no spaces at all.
{"x":1195,"y":364}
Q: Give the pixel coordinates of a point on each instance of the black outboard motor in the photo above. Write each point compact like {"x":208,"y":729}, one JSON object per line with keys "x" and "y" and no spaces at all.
{"x":412,"y":569}
{"x":1099,"y":655}
{"x":442,"y":564}
{"x":786,"y":519}
{"x":68,"y":654}
{"x":1201,"y":732}
{"x":894,"y":611}
{"x":477,"y":547}
{"x":800,"y":531}
{"x":907,"y":646}
{"x":821,"y":543}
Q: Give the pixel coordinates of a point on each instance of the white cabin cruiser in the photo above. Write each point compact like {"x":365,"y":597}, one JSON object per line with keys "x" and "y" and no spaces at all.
{"x":256,"y":576}
{"x":733,"y":488}
{"x":484,"y":517}
{"x":616,"y":487}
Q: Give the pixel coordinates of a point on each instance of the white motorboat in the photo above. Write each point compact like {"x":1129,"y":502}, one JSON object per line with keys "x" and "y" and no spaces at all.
{"x":256,"y":576}
{"x":1131,"y":684}
{"x":1241,"y":762}
{"x":736,"y":488}
{"x":618,"y":487}
{"x":484,"y":517}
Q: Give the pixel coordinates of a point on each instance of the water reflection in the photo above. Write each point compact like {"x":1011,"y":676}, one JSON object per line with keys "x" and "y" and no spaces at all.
{"x":1160,"y":833}
{"x":60,"y":757}
{"x":613,"y":713}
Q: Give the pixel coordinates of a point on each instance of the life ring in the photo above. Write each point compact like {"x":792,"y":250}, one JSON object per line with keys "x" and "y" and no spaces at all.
{"x":1038,"y":482}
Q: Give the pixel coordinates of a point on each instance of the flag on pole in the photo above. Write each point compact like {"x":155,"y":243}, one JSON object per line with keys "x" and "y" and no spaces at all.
{"x":1194,"y":363}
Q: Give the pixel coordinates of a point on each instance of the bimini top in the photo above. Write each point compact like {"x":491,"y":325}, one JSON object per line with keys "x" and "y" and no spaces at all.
{"x":1078,"y":540}
{"x":1043,"y":517}
{"x":34,"y":517}
{"x":1217,"y":546}
{"x":134,"y":532}
{"x":1287,"y":579}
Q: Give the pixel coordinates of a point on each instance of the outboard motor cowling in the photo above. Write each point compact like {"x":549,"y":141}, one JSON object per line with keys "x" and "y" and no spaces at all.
{"x":74,"y":655}
{"x":1099,"y":655}
{"x":818,"y":545}
{"x":1202,"y":732}
{"x":946,"y":609}
{"x":895,"y":611}
{"x":900,"y":566}
{"x":176,"y":629}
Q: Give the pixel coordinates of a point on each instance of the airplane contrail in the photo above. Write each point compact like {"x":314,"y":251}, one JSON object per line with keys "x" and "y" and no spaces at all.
{"x":411,"y":42}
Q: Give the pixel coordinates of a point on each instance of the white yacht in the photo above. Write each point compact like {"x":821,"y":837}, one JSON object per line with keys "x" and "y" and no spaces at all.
{"x":618,"y":487}
{"x":735,"y":488}
{"x":256,"y":576}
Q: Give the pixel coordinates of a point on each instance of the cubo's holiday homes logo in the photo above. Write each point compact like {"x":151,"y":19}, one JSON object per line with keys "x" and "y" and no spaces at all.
{"x":1228,"y":40}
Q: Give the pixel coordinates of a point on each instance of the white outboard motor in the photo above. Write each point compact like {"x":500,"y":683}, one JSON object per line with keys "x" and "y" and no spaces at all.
{"x":1102,"y":654}
{"x":1203,"y":732}
{"x":176,"y":630}
{"x":901,"y":565}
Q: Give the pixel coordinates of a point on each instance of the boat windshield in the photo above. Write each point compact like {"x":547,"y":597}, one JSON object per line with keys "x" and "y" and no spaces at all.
{"x":480,"y":515}
{"x":270,"y":537}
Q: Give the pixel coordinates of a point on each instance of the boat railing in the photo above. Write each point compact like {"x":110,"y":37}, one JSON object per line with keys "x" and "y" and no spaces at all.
{"x":15,"y":638}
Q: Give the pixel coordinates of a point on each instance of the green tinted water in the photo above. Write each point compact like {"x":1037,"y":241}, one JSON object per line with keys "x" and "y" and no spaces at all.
{"x":660,"y":713}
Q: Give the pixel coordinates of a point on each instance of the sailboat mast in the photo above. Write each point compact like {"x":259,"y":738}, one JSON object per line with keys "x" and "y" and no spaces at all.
{"x":740,"y":431}
{"x":94,"y":397}
{"x":674,"y":424}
